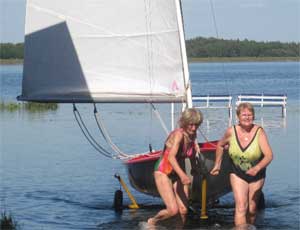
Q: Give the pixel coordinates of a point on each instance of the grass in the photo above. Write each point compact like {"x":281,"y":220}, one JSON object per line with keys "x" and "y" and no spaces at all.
{"x":39,"y":107}
{"x":7,"y":222}
{"x":27,"y":106}
{"x":11,"y":107}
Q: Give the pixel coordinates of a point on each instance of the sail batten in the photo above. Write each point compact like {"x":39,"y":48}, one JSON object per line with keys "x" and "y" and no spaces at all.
{"x":104,"y":99}
{"x":124,"y":35}
{"x":104,"y":51}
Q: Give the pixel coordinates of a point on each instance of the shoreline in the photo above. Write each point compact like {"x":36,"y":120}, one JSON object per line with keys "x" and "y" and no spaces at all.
{"x":244,"y":59}
{"x":11,"y":61}
{"x":200,"y":59}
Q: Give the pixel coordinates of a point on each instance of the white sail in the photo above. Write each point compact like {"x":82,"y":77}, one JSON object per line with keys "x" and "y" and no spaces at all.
{"x":104,"y":51}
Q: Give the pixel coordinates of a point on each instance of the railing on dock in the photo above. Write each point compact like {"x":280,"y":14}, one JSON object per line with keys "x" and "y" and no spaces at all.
{"x":213,"y":102}
{"x":264,"y":100}
{"x":225,"y":101}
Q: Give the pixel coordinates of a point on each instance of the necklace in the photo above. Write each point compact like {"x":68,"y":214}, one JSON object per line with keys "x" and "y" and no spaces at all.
{"x":245,"y":133}
{"x":245,"y":136}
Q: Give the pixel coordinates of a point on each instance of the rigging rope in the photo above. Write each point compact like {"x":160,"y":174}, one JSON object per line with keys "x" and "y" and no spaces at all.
{"x":217,"y":34}
{"x":151,"y":128}
{"x":214,"y":17}
{"x":149,"y":58}
{"x":205,"y":138}
{"x":160,"y":119}
{"x":87,"y":134}
{"x":106,"y":136}
{"x":104,"y":133}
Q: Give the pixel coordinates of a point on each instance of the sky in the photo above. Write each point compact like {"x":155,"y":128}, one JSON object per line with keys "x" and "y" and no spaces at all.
{"x":259,"y":20}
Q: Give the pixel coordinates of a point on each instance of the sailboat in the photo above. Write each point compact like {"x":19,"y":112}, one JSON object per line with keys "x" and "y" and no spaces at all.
{"x":88,"y":51}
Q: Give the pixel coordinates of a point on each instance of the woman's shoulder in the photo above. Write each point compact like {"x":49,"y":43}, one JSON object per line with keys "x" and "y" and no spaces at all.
{"x":177,"y":132}
{"x":174,"y":137}
{"x":228,"y":133}
{"x":230,"y":130}
{"x":258,"y":128}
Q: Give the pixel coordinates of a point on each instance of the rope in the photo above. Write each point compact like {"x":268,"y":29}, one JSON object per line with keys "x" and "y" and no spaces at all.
{"x":217,"y":34}
{"x":87,"y":134}
{"x":205,"y":138}
{"x":214,"y":17}
{"x":160,"y":119}
{"x":150,"y":133}
{"x":105,"y":134}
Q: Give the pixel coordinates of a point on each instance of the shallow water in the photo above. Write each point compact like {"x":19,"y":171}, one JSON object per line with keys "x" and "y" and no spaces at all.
{"x":51,"y":178}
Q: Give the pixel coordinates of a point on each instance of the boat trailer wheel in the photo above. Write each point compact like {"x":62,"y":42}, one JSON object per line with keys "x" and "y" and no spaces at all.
{"x":118,"y":200}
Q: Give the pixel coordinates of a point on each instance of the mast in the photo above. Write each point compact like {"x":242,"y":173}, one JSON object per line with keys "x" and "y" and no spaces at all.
{"x":184,"y":55}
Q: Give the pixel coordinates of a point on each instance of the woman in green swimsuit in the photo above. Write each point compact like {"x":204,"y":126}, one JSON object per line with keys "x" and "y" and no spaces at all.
{"x":250,"y":153}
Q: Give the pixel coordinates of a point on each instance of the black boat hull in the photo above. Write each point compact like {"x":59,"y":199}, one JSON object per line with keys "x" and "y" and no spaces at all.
{"x":140,"y":172}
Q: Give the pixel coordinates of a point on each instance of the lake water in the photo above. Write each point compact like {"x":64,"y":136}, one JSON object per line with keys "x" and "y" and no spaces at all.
{"x":51,"y":178}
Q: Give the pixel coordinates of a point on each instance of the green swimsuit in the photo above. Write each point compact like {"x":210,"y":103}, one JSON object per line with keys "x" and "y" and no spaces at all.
{"x":245,"y":158}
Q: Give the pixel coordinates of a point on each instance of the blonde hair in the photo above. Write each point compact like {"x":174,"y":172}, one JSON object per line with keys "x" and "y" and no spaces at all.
{"x":245,"y":105}
{"x":190,"y":116}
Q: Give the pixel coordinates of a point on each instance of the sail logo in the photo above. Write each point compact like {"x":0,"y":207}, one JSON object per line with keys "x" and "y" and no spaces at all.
{"x":174,"y":86}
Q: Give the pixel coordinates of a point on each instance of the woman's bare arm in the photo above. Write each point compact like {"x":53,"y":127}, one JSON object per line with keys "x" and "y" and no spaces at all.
{"x":267,"y":151}
{"x":220,"y":150}
{"x":176,"y":140}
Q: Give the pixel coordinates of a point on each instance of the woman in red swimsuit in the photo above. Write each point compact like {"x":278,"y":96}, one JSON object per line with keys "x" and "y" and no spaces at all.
{"x":171,"y":180}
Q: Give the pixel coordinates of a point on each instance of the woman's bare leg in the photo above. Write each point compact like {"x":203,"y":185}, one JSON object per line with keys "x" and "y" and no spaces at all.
{"x":254,"y":195}
{"x":240,"y":190}
{"x":182,"y":196}
{"x":165,"y":189}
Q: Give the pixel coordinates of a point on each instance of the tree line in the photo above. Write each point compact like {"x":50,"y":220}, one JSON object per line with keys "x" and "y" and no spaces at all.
{"x":202,"y":47}
{"x":212,"y":47}
{"x":11,"y":51}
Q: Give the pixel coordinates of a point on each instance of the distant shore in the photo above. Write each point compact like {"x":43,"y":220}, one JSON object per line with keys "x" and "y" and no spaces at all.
{"x":191,"y":60}
{"x":11,"y":61}
{"x":244,"y":59}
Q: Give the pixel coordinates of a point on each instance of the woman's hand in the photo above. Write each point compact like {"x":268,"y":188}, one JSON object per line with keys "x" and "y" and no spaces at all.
{"x":215,"y":171}
{"x":185,"y":180}
{"x":222,"y":144}
{"x":253,"y":171}
{"x":197,"y":148}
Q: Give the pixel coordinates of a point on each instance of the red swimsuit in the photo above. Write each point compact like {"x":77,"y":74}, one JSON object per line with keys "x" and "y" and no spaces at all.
{"x":163,"y":165}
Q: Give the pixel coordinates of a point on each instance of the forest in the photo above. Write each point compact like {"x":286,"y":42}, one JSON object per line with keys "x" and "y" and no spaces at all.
{"x":11,"y":51}
{"x":212,"y":47}
{"x":201,"y":47}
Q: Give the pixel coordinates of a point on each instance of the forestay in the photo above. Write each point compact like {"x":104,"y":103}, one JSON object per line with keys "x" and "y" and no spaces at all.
{"x":104,"y":51}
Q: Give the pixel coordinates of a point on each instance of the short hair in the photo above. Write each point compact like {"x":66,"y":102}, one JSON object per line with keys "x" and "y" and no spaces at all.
{"x":245,"y":105}
{"x":190,"y":116}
